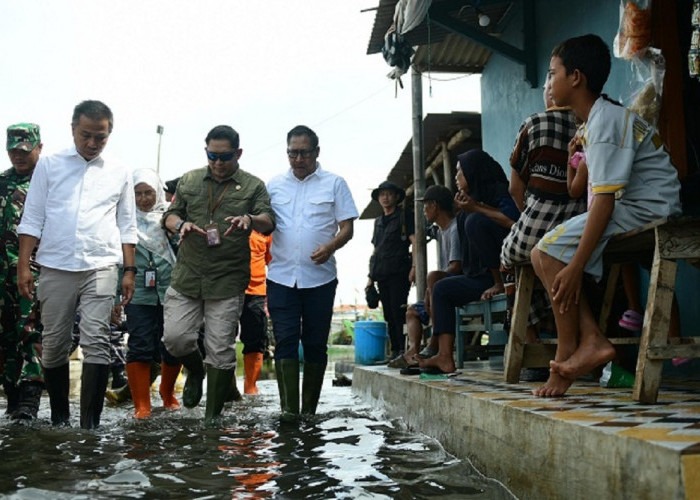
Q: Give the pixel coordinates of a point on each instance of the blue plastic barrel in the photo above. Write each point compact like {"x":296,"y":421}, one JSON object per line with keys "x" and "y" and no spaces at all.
{"x":370,"y":342}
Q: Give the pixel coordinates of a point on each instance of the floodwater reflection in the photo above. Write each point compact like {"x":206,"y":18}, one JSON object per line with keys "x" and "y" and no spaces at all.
{"x":349,"y":450}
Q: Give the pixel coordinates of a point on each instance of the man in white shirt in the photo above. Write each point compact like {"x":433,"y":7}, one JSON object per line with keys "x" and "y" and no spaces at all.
{"x":80,"y":205}
{"x":314,"y":211}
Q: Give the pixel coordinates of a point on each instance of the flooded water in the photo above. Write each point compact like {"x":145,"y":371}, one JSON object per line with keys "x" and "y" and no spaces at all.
{"x":349,"y":450}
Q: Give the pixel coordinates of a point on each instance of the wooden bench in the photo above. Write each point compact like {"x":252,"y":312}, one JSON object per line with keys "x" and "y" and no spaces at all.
{"x":662,"y":242}
{"x":479,"y":317}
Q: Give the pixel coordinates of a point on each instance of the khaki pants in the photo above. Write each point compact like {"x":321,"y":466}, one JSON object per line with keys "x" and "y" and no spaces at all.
{"x":90,"y":294}
{"x":184,"y":316}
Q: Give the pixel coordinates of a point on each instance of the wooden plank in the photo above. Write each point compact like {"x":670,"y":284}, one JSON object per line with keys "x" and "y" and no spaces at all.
{"x":673,"y":351}
{"x":513,"y":360}
{"x":655,"y":330}
{"x":538,"y":355}
{"x":608,"y":297}
{"x":679,"y":241}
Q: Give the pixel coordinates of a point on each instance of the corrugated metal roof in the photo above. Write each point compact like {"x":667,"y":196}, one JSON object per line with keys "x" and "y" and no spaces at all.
{"x":437,"y":128}
{"x":437,"y":48}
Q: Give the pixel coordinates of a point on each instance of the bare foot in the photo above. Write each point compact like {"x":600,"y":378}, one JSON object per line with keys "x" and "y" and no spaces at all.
{"x":555,"y":386}
{"x":592,"y":352}
{"x":494,"y":290}
{"x":411,"y":359}
{"x":444,"y":363}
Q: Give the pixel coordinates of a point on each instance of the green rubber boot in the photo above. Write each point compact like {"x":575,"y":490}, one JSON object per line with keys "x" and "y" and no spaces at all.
{"x":311,"y":386}
{"x":218,"y":387}
{"x":287,"y":371}
{"x":192,"y":392}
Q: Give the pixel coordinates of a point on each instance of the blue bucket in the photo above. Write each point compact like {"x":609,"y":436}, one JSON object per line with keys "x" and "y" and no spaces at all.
{"x":370,"y":342}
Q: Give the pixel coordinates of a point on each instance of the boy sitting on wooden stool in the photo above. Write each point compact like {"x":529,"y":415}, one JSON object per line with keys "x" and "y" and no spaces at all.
{"x":633,"y":183}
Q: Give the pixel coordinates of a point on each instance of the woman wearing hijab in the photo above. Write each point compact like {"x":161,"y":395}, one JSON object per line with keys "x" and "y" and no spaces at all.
{"x":488,"y":212}
{"x":144,"y":314}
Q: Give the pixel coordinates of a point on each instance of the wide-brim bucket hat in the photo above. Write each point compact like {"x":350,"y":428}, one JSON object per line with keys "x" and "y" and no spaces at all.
{"x":389,"y":185}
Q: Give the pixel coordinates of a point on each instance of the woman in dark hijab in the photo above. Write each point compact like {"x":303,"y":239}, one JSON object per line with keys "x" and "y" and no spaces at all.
{"x":483,"y":194}
{"x":488,"y":212}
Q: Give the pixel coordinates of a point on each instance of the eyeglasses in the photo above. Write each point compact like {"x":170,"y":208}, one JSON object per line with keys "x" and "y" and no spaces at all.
{"x":304,"y":153}
{"x":221,"y":156}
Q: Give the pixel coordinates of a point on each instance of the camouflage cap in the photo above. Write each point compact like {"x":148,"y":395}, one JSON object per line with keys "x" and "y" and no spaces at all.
{"x":24,"y":136}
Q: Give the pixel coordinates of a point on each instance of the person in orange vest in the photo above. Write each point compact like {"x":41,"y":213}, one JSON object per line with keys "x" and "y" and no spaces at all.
{"x":254,"y":315}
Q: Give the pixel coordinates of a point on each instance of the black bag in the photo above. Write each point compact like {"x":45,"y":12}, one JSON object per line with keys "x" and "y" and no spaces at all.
{"x":372,"y":296}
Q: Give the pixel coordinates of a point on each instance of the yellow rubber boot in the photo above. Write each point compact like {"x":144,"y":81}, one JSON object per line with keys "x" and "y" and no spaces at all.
{"x":252,"y":364}
{"x":168,"y":376}
{"x":139,"y":377}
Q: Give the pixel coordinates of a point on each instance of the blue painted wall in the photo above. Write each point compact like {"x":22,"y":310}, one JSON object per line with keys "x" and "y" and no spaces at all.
{"x":506,"y":98}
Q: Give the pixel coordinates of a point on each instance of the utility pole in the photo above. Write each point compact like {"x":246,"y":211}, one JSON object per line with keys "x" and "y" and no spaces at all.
{"x":159,"y":131}
{"x":418,"y":182}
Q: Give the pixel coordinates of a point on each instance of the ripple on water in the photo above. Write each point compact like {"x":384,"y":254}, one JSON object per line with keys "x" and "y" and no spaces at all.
{"x":349,"y":450}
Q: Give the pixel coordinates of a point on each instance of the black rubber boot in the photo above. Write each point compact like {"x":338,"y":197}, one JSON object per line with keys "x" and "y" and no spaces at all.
{"x":93,"y":385}
{"x":12,"y":394}
{"x":311,"y":386}
{"x":192,"y":392}
{"x":287,"y":371}
{"x":29,"y":397}
{"x":58,"y":386}
{"x":118,"y":377}
{"x":218,"y":388}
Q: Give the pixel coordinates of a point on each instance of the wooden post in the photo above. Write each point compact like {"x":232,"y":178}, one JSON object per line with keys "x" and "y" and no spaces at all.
{"x":446,"y":167}
{"x":419,"y":249}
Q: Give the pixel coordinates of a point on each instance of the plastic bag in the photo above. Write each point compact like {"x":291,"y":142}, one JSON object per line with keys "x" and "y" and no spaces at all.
{"x":634,"y":33}
{"x":616,"y":376}
{"x":646,"y":88}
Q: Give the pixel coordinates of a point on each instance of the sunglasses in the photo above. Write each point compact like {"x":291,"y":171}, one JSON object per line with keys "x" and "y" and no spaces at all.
{"x":304,"y":153}
{"x":224,"y":157}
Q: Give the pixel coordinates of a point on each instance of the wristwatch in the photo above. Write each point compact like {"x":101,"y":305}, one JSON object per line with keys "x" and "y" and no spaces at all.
{"x":178,"y":226}
{"x":130,"y":268}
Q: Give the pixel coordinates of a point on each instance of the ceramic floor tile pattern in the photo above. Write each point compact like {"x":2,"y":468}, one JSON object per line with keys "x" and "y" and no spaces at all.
{"x":673,"y":422}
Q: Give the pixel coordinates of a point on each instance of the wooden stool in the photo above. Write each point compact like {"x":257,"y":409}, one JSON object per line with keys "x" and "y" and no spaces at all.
{"x":669,"y":240}
{"x":484,"y":311}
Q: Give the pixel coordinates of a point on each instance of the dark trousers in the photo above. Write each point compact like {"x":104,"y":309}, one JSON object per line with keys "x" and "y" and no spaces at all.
{"x":393,"y":293}
{"x":145,"y":326}
{"x":301,"y":314}
{"x":484,"y":239}
{"x":254,"y":324}
{"x":454,"y":291}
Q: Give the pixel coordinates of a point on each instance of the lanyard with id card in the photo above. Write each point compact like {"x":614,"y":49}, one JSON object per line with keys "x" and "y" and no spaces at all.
{"x":150,"y":274}
{"x":212,"y":229}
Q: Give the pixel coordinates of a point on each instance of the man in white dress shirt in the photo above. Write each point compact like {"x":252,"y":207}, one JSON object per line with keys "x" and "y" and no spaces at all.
{"x":314,"y":211}
{"x":80,"y":207}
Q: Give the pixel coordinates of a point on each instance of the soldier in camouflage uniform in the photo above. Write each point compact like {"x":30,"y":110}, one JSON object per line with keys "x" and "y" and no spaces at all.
{"x":20,"y":339}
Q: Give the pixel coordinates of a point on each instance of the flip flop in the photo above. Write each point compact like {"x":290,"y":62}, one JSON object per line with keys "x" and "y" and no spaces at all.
{"x":427,"y":352}
{"x":433,"y":370}
{"x":398,"y":362}
{"x":631,"y":320}
{"x":410,"y":370}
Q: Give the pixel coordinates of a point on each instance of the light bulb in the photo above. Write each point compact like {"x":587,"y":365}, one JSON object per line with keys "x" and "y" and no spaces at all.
{"x":484,"y":20}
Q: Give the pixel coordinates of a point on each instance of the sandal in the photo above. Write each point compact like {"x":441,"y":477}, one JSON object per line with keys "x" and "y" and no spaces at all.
{"x":427,"y":352}
{"x":680,"y":361}
{"x":631,"y":320}
{"x":398,"y":362}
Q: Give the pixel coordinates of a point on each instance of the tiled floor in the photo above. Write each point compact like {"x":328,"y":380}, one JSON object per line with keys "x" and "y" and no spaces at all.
{"x":673,"y":422}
